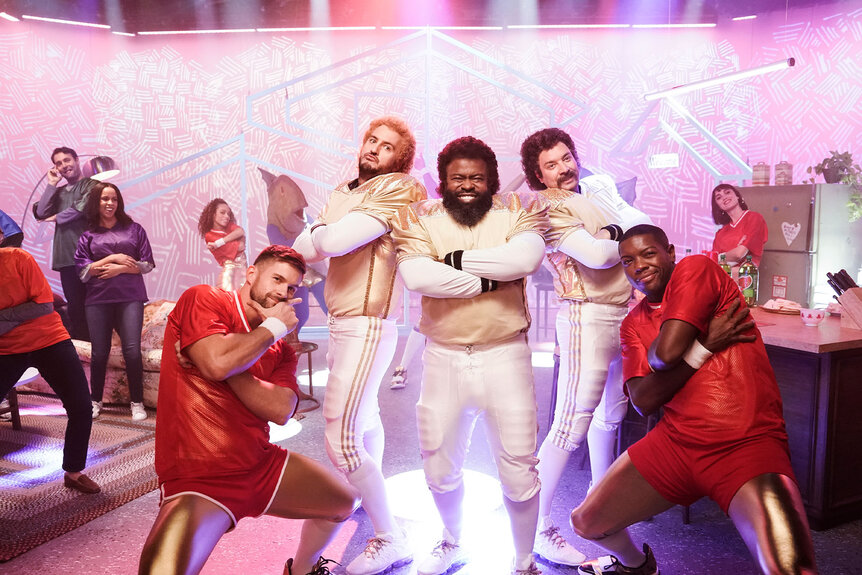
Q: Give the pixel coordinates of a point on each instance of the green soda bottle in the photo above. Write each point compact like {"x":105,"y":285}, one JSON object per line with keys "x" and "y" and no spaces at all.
{"x":724,"y":265}
{"x":748,"y":281}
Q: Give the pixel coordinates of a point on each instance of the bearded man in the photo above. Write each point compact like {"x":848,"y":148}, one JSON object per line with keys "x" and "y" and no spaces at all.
{"x":231,"y":375}
{"x":363,"y":295}
{"x":468,"y":254}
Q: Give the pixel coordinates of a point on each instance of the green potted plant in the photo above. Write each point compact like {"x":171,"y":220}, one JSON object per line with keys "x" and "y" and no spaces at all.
{"x":839,"y":168}
{"x":836,"y":168}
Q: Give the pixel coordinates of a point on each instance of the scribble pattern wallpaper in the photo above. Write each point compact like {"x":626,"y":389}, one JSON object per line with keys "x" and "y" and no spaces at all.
{"x":191,"y":118}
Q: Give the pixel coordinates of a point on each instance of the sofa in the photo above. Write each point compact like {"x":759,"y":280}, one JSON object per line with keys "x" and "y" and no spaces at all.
{"x":116,"y":383}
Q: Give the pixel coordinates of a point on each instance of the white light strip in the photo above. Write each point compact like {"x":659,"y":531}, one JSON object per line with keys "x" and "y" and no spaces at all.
{"x":564,"y":26}
{"x":122,"y":33}
{"x":172,"y":32}
{"x":686,"y":88}
{"x":738,"y":18}
{"x":702,"y":25}
{"x":9,"y":17}
{"x":317,"y":29}
{"x":441,"y":27}
{"x":70,"y":22}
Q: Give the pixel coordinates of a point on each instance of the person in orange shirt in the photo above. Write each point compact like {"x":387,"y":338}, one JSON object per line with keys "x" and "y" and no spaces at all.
{"x":225,"y":239}
{"x":32,"y":334}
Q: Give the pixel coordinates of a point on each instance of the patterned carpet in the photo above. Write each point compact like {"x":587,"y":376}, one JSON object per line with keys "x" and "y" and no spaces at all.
{"x":35,"y":506}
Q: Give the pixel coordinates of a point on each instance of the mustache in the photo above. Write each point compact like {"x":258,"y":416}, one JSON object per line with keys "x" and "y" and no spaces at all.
{"x":566,"y":175}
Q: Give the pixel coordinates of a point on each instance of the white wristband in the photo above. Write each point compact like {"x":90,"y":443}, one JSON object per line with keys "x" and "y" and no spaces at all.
{"x":696,"y":355}
{"x":219,"y":242}
{"x":275,"y":326}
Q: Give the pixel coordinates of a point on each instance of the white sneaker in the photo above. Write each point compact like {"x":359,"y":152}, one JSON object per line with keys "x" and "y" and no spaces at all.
{"x":553,"y":547}
{"x":442,"y":558}
{"x":8,"y":415}
{"x":138,"y":411}
{"x":399,"y":378}
{"x":382,"y":553}
{"x":97,"y":409}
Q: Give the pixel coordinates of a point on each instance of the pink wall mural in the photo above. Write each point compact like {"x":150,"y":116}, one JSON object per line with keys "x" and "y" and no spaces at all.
{"x":191,"y":118}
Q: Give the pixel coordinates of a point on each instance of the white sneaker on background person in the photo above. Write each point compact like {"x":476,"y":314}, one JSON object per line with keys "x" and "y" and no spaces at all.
{"x":444,"y":555}
{"x":553,"y":548}
{"x":138,"y":411}
{"x":382,"y":552}
{"x":97,"y":409}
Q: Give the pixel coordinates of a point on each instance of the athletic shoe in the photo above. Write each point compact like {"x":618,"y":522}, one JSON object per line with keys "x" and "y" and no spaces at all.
{"x":531,"y":570}
{"x":444,"y":556}
{"x":320,"y":568}
{"x":553,"y":548}
{"x":97,"y":408}
{"x":138,"y":411}
{"x":383,"y":552}
{"x":610,"y":564}
{"x":399,"y":378}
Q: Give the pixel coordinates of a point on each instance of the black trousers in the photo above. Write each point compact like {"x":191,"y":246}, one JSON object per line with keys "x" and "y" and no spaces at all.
{"x":61,"y":368}
{"x":75,"y":292}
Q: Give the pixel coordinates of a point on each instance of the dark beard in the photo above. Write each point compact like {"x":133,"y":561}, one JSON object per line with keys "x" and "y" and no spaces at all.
{"x":467,"y":214}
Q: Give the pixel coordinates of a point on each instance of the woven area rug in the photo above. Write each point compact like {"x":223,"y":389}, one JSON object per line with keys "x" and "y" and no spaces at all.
{"x":35,"y":506}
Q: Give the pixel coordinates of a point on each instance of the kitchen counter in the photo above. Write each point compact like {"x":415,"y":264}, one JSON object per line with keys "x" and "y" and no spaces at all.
{"x":789,"y":332}
{"x":819,"y":373}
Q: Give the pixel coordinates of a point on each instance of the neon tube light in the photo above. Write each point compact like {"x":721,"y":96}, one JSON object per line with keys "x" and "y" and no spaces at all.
{"x":169,"y":32}
{"x":122,"y":33}
{"x":564,"y":26}
{"x":9,"y":17}
{"x":686,"y":88}
{"x":441,"y":27}
{"x":70,"y":22}
{"x":317,"y":29}
{"x":738,"y":18}
{"x":701,"y":25}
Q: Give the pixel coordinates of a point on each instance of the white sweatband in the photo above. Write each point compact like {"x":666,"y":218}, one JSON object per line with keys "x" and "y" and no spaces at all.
{"x":696,"y":355}
{"x":219,"y":242}
{"x":275,"y":326}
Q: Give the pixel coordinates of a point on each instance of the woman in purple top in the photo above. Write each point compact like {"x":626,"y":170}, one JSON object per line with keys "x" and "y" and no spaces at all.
{"x":111,"y":256}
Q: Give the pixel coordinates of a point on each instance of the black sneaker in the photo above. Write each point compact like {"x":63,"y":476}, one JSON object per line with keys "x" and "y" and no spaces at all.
{"x":320,"y":568}
{"x":610,"y":564}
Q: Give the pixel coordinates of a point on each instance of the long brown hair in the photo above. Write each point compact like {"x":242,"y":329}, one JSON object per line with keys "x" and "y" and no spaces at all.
{"x":719,"y":216}
{"x":91,"y":210}
{"x":205,"y":222}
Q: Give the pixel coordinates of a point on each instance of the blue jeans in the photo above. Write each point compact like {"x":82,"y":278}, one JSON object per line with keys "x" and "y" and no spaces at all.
{"x":128,"y":319}
{"x":61,"y":368}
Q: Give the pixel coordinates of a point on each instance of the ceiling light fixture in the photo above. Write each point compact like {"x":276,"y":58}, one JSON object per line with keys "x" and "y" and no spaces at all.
{"x":9,"y":17}
{"x":70,"y":22}
{"x":122,"y":33}
{"x":686,"y":88}
{"x":441,"y":27}
{"x":738,"y":18}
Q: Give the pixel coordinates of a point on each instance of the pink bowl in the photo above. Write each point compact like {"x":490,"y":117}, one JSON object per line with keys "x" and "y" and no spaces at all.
{"x":812,"y":317}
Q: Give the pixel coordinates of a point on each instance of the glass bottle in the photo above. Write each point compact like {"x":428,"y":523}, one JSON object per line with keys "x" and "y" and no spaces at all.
{"x":724,"y":265}
{"x":748,"y":280}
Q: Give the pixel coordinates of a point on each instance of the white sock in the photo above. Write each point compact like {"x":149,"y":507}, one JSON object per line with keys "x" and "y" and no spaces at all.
{"x":602,"y":444}
{"x":450,"y":507}
{"x":368,"y":479}
{"x":315,"y":536}
{"x":415,"y":342}
{"x":544,"y":522}
{"x":523,"y":516}
{"x":552,"y":463}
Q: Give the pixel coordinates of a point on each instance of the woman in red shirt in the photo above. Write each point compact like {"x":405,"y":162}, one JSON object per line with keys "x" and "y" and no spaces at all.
{"x":226,"y":241}
{"x":742,"y":231}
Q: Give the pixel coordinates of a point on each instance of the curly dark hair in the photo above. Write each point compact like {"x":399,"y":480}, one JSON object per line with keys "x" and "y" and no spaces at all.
{"x":281,"y":253}
{"x":537,"y":143}
{"x":407,"y":149}
{"x":473,"y":149}
{"x":94,"y":199}
{"x":719,"y":216}
{"x":205,"y":222}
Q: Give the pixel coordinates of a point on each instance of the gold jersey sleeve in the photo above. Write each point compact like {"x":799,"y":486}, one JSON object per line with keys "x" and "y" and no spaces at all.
{"x":425,"y":229}
{"x":364,"y":282}
{"x":570,"y":211}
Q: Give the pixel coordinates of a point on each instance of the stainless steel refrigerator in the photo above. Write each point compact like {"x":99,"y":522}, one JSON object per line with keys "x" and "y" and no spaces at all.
{"x":809,"y":234}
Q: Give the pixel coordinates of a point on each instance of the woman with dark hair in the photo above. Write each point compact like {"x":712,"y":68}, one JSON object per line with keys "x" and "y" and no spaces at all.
{"x":742,"y":231}
{"x":225,"y":240}
{"x":111,"y":256}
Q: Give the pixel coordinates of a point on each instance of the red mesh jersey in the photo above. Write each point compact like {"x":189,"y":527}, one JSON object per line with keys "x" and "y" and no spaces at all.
{"x":734,"y":395}
{"x":203,"y":429}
